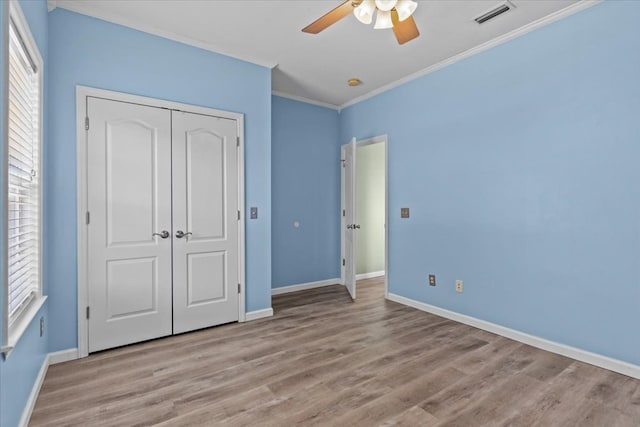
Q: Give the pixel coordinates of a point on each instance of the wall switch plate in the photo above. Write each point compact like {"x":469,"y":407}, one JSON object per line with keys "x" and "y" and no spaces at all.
{"x":459,"y":286}
{"x":404,"y":212}
{"x":432,"y":280}
{"x":253,"y":213}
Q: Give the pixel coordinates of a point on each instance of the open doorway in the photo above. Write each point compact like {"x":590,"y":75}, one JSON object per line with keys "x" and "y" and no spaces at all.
{"x":364,"y":213}
{"x":370,"y":210}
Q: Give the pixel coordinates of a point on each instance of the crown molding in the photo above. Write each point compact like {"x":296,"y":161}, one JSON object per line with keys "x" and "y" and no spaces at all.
{"x":305,"y":100}
{"x":542,"y":22}
{"x":84,"y":9}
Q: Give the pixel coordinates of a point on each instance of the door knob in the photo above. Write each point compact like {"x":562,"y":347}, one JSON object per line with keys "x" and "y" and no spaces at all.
{"x":349,"y":226}
{"x":180,"y":234}
{"x":164,"y":234}
{"x":356,"y":226}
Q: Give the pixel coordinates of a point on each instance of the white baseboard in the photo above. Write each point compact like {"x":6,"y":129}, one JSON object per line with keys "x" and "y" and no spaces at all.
{"x":35,"y":391}
{"x":304,"y":286}
{"x":63,"y":356}
{"x":599,"y":360}
{"x":370,"y":275}
{"x":258,"y":314}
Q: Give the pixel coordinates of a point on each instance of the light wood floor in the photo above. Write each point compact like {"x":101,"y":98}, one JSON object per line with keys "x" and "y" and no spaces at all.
{"x":323,"y":360}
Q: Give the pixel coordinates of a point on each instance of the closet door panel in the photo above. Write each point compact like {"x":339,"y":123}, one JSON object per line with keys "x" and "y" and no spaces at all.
{"x":205,"y":223}
{"x":129,"y":199}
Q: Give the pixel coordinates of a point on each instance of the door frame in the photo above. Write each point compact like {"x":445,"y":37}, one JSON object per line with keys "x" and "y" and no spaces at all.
{"x":82,"y":92}
{"x":380,"y":139}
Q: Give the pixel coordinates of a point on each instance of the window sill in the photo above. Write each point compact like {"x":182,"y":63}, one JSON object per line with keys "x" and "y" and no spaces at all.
{"x":18,"y":328}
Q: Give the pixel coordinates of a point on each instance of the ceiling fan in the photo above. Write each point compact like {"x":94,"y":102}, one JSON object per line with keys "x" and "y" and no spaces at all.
{"x":394,"y":14}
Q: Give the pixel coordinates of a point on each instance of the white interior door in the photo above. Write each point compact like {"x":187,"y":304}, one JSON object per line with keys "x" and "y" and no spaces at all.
{"x":205,"y":221}
{"x":349,"y":216}
{"x":129,"y":201}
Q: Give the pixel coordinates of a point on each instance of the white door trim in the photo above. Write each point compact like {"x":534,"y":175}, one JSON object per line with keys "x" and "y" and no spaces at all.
{"x":381,"y":139}
{"x":82,"y":92}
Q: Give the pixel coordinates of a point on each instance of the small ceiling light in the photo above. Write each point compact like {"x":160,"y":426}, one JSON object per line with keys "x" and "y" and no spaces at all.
{"x":364,"y":12}
{"x":354,"y":81}
{"x":383,"y":20}
{"x":405,"y":8}
{"x":386,"y":5}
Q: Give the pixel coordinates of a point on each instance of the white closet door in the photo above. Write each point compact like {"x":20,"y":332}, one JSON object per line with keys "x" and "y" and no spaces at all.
{"x":205,"y":204}
{"x":129,"y":199}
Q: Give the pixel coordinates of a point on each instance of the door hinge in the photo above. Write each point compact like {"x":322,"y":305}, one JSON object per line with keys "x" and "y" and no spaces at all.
{"x":343,"y":262}
{"x":238,"y":215}
{"x":237,"y":141}
{"x":88,"y":312}
{"x":239,"y":290}
{"x":86,"y":123}
{"x":344,"y":212}
{"x":88,"y":218}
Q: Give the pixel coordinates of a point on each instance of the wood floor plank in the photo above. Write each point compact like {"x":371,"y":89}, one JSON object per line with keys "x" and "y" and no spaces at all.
{"x":560,"y":400}
{"x":401,"y":399}
{"x":414,"y":416}
{"x":632,"y":406}
{"x":223,"y":410}
{"x":332,"y":405}
{"x":447,"y":404}
{"x":547,"y":366}
{"x":327,"y":361}
{"x":385,"y":372}
{"x":495,"y":407}
{"x":598,"y":415}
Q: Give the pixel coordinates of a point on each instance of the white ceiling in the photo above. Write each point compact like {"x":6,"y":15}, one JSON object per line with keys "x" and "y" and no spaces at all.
{"x":316,"y":67}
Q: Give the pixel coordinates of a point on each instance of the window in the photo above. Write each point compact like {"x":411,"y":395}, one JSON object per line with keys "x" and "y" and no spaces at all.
{"x":23,"y":178}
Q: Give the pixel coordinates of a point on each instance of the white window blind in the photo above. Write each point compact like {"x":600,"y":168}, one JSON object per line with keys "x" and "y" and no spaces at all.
{"x":23,"y":204}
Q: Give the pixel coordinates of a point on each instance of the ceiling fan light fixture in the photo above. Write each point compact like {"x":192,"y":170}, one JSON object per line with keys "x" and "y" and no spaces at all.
{"x":364,"y":12}
{"x":383,"y":20}
{"x":387,"y":17}
{"x":386,"y":5}
{"x":405,"y":9}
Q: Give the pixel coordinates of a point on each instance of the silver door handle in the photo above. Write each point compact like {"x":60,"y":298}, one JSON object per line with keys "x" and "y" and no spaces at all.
{"x":349,"y":226}
{"x":356,"y":226}
{"x":164,"y":234}
{"x":180,"y":234}
{"x":353,"y":226}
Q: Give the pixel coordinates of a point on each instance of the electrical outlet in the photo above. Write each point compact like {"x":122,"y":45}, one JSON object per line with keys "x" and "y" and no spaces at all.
{"x":432,"y":280}
{"x":459,"y":286}
{"x":41,"y":326}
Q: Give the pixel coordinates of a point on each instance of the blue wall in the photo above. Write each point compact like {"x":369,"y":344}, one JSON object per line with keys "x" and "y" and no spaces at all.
{"x":18,"y":373}
{"x":520,"y":166}
{"x":305,"y":177}
{"x":91,"y":52}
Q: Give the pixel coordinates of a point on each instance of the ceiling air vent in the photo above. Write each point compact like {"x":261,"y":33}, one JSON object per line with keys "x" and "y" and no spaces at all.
{"x":496,"y":11}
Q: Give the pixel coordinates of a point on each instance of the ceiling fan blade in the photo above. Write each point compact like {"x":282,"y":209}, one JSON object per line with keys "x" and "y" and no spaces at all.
{"x":404,"y":30}
{"x":330,"y":18}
